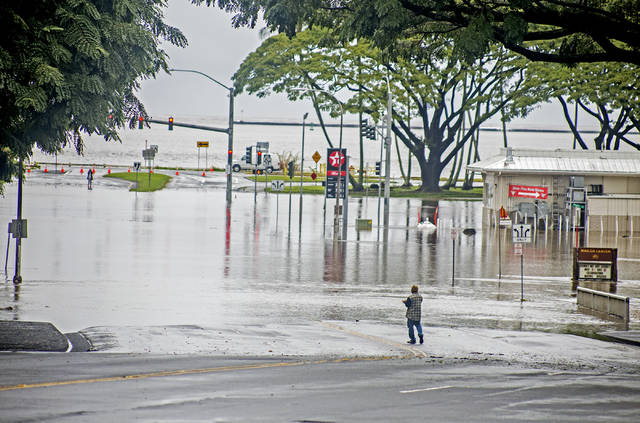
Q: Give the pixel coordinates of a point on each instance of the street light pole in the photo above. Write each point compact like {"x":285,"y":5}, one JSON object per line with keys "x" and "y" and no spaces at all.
{"x":229,"y":129}
{"x":17,"y":278}
{"x":304,"y":118}
{"x":387,"y":167}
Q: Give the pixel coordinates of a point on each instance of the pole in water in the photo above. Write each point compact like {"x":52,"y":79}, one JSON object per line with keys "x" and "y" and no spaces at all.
{"x":17,"y":278}
{"x":499,"y":252}
{"x":454,"y":235}
{"x":522,"y":277}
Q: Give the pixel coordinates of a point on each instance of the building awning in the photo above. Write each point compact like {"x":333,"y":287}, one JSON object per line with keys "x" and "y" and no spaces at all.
{"x":561,"y":162}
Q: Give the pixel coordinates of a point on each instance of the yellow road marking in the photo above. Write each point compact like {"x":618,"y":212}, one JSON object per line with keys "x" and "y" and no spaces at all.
{"x":181,"y":372}
{"x":148,"y":375}
{"x":413,"y":351}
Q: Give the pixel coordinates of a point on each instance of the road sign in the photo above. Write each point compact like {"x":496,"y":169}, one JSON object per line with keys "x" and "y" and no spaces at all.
{"x":277,"y":185}
{"x":536,"y":193}
{"x":316,"y":157}
{"x":204,"y":144}
{"x":336,"y":172}
{"x":336,"y":161}
{"x":517,"y":249}
{"x":521,"y":233}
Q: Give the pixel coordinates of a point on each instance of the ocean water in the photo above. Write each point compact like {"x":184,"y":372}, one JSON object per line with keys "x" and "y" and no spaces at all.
{"x":178,"y":148}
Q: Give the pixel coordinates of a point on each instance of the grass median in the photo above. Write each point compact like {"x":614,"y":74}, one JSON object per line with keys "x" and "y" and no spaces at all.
{"x":145,"y":184}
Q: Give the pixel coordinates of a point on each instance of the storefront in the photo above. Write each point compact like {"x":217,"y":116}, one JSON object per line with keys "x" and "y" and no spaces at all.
{"x":568,"y":189}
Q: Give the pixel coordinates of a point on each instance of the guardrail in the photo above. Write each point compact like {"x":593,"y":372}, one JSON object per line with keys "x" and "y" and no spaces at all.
{"x":611,"y":304}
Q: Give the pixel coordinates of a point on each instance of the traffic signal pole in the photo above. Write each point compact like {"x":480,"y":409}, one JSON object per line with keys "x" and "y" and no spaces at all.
{"x":228,"y":130}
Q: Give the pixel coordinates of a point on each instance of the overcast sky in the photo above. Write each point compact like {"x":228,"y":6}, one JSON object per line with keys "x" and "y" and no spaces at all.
{"x":218,"y":49}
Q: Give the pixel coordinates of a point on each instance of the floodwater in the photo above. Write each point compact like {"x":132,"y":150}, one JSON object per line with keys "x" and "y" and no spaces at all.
{"x":110,"y":257}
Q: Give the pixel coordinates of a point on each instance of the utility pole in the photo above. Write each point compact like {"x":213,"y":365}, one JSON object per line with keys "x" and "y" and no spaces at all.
{"x":17,"y":278}
{"x":387,"y":167}
{"x":301,"y":176}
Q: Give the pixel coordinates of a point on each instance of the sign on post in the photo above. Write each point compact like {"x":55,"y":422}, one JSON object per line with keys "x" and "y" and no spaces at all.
{"x":595,"y":264}
{"x":517,"y":249}
{"x":521,"y":233}
{"x":537,"y":193}
{"x":316,"y":157}
{"x":203,"y":144}
{"x":336,"y":172}
{"x":277,"y":185}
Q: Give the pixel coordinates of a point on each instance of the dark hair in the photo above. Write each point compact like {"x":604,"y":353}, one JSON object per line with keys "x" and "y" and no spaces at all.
{"x":414,"y":289}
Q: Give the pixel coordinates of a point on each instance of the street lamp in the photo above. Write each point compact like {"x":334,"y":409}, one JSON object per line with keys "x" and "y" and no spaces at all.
{"x":229,"y":130}
{"x":304,"y":118}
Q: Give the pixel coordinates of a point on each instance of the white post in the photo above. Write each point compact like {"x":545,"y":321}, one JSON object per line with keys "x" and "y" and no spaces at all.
{"x":601,"y":225}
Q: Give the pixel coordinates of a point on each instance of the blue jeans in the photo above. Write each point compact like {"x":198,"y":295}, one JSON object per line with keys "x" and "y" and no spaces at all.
{"x":410,"y":325}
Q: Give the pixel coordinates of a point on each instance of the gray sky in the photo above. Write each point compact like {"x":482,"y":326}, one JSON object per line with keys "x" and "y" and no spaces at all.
{"x":218,"y":49}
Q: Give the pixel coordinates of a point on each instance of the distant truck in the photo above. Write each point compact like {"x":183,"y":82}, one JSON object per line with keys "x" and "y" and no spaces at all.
{"x":260,"y":160}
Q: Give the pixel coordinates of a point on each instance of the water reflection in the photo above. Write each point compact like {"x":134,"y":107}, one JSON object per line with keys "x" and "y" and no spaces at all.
{"x":176,"y":255}
{"x":334,"y":261}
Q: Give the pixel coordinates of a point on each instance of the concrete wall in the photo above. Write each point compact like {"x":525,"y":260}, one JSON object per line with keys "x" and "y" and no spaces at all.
{"x":619,"y":213}
{"x":603,"y":302}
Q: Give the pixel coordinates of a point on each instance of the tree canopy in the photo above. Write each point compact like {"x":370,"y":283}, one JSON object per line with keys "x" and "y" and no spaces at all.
{"x":451,"y":98}
{"x":562,"y":31}
{"x":69,"y":67}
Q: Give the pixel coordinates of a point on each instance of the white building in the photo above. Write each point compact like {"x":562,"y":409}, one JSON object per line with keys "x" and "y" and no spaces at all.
{"x":596,"y":189}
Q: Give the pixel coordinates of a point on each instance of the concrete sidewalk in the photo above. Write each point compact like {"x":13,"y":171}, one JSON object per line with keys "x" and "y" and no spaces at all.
{"x":333,"y":339}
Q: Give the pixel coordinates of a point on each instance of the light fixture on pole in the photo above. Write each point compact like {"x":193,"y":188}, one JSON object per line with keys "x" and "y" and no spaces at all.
{"x":229,"y":130}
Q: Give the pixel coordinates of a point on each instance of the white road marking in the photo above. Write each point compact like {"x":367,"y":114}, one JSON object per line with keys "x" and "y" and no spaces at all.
{"x":434,"y":388}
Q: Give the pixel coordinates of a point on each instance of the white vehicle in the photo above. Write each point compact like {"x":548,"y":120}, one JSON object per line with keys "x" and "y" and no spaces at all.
{"x":267,"y":164}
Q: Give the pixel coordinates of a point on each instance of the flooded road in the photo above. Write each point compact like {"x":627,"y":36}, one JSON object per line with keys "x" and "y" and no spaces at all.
{"x":110,"y":257}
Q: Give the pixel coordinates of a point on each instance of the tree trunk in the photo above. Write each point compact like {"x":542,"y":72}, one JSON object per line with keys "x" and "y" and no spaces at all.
{"x":430,"y":170}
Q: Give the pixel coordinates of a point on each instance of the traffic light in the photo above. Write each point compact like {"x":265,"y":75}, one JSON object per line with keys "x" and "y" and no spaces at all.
{"x":290,"y":166}
{"x":140,"y":122}
{"x":378,"y":166}
{"x":259,"y":157}
{"x":371,"y":132}
{"x":247,"y":155}
{"x":364,"y":127}
{"x":171,"y":123}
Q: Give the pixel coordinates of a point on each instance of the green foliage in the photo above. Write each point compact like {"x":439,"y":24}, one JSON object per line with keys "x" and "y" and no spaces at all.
{"x":569,"y":31}
{"x":606,"y":91}
{"x":66,"y":65}
{"x":440,"y":89}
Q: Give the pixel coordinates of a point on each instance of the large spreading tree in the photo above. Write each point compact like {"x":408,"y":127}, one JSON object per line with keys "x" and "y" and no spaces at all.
{"x":607,"y":92}
{"x":450,"y":97}
{"x":563,"y":31}
{"x":72,"y":67}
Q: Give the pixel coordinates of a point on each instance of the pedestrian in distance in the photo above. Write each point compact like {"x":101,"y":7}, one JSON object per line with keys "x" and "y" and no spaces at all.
{"x":414,"y":314}
{"x":90,"y":179}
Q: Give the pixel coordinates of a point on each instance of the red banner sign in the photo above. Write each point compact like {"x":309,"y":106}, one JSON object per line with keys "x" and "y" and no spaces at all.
{"x":537,"y":193}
